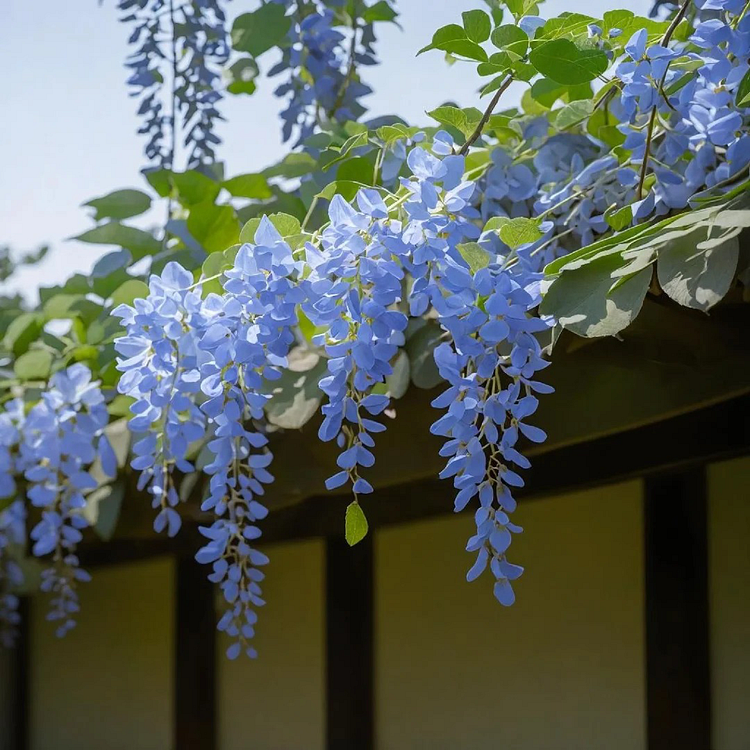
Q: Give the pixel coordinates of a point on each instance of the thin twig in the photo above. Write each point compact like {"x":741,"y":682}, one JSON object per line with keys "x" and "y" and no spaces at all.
{"x":652,"y":119}
{"x":486,"y":116}
{"x":173,"y":119}
{"x":349,"y":70}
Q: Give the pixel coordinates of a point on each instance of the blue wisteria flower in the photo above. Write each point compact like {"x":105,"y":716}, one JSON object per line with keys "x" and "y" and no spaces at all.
{"x":160,"y":363}
{"x":61,"y":437}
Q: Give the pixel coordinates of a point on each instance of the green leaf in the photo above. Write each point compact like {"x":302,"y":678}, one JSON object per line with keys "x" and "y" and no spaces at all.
{"x":565,"y":62}
{"x":511,"y":38}
{"x":139,"y":243}
{"x":248,"y":186}
{"x":420,"y":348}
{"x":742,"y":98}
{"x":452,"y":38}
{"x":241,"y":76}
{"x":22,"y":331}
{"x":105,"y":285}
{"x":573,"y":113}
{"x":215,"y":227}
{"x":468,"y":49}
{"x":514,"y":232}
{"x":389,"y":134}
{"x":600,"y":126}
{"x":68,"y":306}
{"x":354,"y":141}
{"x":215,"y":264}
{"x":397,"y":383}
{"x":355,"y":524}
{"x":359,"y":169}
{"x":477,"y":25}
{"x":117,"y":260}
{"x":34,"y":365}
{"x":629,"y":23}
{"x":295,"y":396}
{"x":546,"y":92}
{"x":445,"y":35}
{"x":380,"y":11}
{"x":591,"y":302}
{"x":194,"y":187}
{"x":102,"y":509}
{"x":120,"y":405}
{"x":619,"y":219}
{"x":694,"y":277}
{"x":159,"y":179}
{"x":464,"y":121}
{"x":475,"y":255}
{"x":292,"y":165}
{"x":520,"y":8}
{"x":499,"y":62}
{"x":347,"y":189}
{"x":85,"y":353}
{"x":567,"y":25}
{"x":259,"y":31}
{"x":120,"y":204}
{"x":132,"y":289}
{"x":493,"y":85}
{"x":288,"y":226}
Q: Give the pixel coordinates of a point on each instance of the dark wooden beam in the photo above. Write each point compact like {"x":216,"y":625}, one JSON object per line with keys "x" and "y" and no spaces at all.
{"x":195,"y":658}
{"x":714,"y":433}
{"x":20,"y":709}
{"x":678,"y":690}
{"x":349,"y":643}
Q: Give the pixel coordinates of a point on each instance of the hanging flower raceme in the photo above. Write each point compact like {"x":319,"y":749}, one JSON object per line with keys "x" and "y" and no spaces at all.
{"x":489,"y":358}
{"x":354,"y":282}
{"x":321,"y":62}
{"x":490,"y":364}
{"x":185,"y":45}
{"x":12,"y":520}
{"x":247,"y":337}
{"x":61,"y":437}
{"x":12,"y":538}
{"x":160,"y":364}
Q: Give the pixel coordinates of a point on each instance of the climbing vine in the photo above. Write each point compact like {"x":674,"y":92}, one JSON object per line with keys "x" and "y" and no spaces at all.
{"x":377,"y":254}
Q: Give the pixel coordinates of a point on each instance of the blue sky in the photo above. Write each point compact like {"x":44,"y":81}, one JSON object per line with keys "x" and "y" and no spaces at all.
{"x":69,"y":126}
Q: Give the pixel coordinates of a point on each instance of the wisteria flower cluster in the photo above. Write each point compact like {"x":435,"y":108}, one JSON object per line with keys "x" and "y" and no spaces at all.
{"x":320,"y":62}
{"x":682,"y":127}
{"x":197,"y":364}
{"x":52,"y":449}
{"x":176,"y":71}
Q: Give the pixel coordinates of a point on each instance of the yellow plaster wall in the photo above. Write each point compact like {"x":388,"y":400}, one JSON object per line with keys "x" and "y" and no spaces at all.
{"x":277,"y":702}
{"x":108,"y":683}
{"x":562,"y":668}
{"x":729,"y":587}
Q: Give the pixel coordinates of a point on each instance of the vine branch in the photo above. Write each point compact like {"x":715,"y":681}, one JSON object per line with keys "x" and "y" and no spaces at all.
{"x":486,"y":116}
{"x":652,"y":119}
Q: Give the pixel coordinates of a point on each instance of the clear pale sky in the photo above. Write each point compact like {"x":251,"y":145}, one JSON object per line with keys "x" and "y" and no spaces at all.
{"x":68,"y":126}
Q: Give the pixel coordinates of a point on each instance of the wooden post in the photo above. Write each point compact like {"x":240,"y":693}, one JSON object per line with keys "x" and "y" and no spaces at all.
{"x":349,"y":636}
{"x":21,"y":664}
{"x":195,"y":658}
{"x":677,"y":635}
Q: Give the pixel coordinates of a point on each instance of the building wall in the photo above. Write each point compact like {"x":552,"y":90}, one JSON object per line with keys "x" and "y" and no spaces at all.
{"x":562,"y":668}
{"x":729,"y":582}
{"x":277,"y":702}
{"x":108,"y":684}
